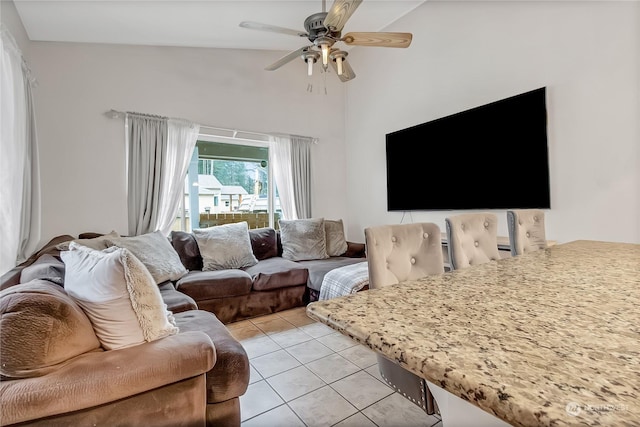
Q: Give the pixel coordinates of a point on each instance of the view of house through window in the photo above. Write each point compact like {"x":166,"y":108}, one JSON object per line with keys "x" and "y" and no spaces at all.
{"x":227,"y":183}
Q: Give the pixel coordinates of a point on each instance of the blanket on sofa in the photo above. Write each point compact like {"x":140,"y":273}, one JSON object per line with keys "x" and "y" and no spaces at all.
{"x":344,"y":281}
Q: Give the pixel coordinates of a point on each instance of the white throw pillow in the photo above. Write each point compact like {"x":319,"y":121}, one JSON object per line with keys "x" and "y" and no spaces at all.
{"x":155,"y":252}
{"x":336,"y":242}
{"x":225,"y":246}
{"x":303,"y":239}
{"x":118,"y":294}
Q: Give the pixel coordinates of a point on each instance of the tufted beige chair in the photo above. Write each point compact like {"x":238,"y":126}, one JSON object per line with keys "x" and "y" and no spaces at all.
{"x":526,"y":230}
{"x":396,"y":253}
{"x":472,"y":239}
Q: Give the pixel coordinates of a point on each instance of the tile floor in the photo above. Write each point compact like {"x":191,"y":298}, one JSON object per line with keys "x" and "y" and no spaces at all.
{"x":304,"y":373}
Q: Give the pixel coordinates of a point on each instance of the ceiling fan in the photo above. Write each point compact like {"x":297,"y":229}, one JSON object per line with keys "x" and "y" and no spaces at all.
{"x":324,"y":30}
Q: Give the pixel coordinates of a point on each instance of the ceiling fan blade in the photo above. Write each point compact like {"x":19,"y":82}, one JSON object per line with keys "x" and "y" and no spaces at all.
{"x":340,"y":12}
{"x":378,"y":39}
{"x":287,"y":58}
{"x":347,"y":71}
{"x":272,"y":28}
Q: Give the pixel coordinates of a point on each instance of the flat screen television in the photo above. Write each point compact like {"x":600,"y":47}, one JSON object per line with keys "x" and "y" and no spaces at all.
{"x":493,"y":156}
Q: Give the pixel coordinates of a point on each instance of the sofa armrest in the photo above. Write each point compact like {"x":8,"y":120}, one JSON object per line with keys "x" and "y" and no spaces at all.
{"x":102,"y":377}
{"x":355,"y":250}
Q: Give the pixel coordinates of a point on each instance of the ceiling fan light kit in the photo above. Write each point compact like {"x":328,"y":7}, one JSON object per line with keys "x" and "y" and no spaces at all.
{"x":338,"y":56}
{"x":310,"y":57}
{"x":324,"y":29}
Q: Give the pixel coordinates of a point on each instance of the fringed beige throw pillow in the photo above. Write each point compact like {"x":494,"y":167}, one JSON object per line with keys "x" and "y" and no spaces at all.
{"x":118,"y":294}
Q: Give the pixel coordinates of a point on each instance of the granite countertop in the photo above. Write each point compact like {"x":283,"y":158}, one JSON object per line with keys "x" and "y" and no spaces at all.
{"x":548,"y":338}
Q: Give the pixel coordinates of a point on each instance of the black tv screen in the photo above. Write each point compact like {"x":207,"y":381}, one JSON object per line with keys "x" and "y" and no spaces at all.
{"x":490,"y":157}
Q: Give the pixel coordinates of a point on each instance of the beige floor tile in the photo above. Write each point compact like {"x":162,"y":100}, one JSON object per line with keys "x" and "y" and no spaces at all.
{"x":259,"y":346}
{"x":244,"y":330}
{"x":357,"y":420}
{"x":360,"y":356}
{"x":282,"y":416}
{"x":258,"y":398}
{"x":397,"y":411}
{"x":293,"y":311}
{"x":352,"y":373}
{"x":337,"y":341}
{"x":239,"y":324}
{"x":298,"y":318}
{"x":273,"y":326}
{"x":375,"y":372}
{"x":322,"y":407}
{"x":332,"y":368}
{"x":274,"y":363}
{"x":295,"y":383}
{"x":265,"y":318}
{"x":361,"y":389}
{"x":254,"y":376}
{"x":317,"y":330}
{"x":309,"y":351}
{"x":291,"y":337}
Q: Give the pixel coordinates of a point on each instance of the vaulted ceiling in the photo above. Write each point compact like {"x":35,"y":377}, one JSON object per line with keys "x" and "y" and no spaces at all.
{"x":205,"y":23}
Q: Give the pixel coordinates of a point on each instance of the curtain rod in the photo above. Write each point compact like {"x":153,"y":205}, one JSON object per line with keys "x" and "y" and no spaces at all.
{"x":114,"y":114}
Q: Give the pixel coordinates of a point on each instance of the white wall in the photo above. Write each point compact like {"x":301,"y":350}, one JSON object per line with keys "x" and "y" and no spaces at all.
{"x":465,"y":54}
{"x":82,"y":151}
{"x":11,"y":21}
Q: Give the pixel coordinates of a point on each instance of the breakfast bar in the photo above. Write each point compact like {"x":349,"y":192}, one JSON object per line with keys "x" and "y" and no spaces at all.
{"x":549,"y":338}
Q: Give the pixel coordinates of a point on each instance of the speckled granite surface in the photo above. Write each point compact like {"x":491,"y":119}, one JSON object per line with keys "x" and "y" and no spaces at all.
{"x":548,"y":338}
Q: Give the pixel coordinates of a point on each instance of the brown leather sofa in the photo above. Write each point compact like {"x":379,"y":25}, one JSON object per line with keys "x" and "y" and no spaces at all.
{"x":193,"y":378}
{"x":273,"y":284}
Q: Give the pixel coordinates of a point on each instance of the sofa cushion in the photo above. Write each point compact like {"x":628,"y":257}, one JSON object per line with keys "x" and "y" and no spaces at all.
{"x":202,"y":285}
{"x":186,"y":246}
{"x":303,"y":239}
{"x":41,"y":328}
{"x":263,"y":243}
{"x":225,"y":246}
{"x":229,"y":377}
{"x":155,"y":252}
{"x":176,"y":301}
{"x":118,"y":294}
{"x":274,"y":273}
{"x":336,"y":242}
{"x":47,"y":267}
{"x":318,"y":268}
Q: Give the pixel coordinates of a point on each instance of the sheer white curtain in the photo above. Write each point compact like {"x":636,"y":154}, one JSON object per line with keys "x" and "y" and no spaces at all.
{"x":19,"y":166}
{"x":291,"y":160}
{"x":181,"y":141}
{"x":159,"y":150}
{"x":280,"y":159}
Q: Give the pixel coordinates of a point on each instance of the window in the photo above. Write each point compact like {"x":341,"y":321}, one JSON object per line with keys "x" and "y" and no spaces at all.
{"x":228,"y":182}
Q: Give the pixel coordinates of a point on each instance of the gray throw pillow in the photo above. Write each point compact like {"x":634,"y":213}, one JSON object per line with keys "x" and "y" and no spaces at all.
{"x":155,"y":252}
{"x":225,"y":246}
{"x":303,"y":239}
{"x":336,"y":242}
